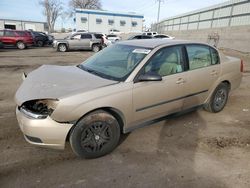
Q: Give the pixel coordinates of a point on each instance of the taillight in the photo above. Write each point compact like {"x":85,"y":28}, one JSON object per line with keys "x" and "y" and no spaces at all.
{"x":241,"y":66}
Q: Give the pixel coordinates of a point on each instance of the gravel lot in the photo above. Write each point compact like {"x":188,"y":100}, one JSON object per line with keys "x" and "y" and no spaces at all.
{"x":198,"y":149}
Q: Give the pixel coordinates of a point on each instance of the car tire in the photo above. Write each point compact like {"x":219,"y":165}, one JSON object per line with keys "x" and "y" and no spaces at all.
{"x":95,"y":135}
{"x":20,"y":45}
{"x":218,"y":99}
{"x":96,"y":48}
{"x":40,"y":43}
{"x":62,"y":48}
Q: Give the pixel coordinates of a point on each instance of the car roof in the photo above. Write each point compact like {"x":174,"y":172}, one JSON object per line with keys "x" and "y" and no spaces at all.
{"x":153,"y":43}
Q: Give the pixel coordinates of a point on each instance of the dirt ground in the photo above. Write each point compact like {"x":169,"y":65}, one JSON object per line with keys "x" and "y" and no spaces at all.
{"x":199,"y":149}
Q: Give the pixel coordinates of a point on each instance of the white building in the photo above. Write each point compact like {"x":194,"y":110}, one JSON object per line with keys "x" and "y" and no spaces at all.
{"x":22,"y":25}
{"x":103,"y":21}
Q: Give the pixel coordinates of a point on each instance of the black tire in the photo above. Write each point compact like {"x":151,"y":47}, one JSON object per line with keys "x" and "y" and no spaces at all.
{"x":20,"y":45}
{"x":40,"y":43}
{"x":96,"y":48}
{"x":218,"y":99}
{"x":95,"y":135}
{"x":62,"y":48}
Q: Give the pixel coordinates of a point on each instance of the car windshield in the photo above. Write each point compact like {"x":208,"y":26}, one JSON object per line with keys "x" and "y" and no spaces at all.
{"x":115,"y":62}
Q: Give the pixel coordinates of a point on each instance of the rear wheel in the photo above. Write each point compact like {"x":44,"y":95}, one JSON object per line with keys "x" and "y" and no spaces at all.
{"x":96,"y":48}
{"x":219,"y":98}
{"x":95,"y":135}
{"x":62,"y":48}
{"x":40,"y":43}
{"x":20,"y":45}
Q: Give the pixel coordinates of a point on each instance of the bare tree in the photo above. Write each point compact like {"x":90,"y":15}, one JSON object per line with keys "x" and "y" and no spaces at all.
{"x":52,"y":10}
{"x":85,"y":4}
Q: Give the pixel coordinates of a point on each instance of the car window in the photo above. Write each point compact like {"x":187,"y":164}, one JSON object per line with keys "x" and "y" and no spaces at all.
{"x":111,"y":36}
{"x":98,"y":36}
{"x":199,"y":56}
{"x":148,"y":33}
{"x":1,"y":33}
{"x":76,"y":37}
{"x":21,"y":33}
{"x":161,"y":36}
{"x":166,"y":61}
{"x":215,"y":56}
{"x":9,"y":34}
{"x":146,"y":37}
{"x":86,"y":36}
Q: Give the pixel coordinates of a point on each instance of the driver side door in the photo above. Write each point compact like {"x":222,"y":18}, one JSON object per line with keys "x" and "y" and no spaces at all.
{"x":154,"y":99}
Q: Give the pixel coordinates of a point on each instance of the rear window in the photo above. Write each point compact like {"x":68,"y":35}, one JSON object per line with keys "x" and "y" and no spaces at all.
{"x":9,"y":34}
{"x":21,"y":33}
{"x":98,"y":36}
{"x":86,"y":36}
{"x":111,"y":36}
{"x":199,"y":56}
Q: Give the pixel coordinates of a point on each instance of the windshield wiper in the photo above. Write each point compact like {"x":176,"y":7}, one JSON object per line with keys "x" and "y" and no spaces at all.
{"x":95,"y":72}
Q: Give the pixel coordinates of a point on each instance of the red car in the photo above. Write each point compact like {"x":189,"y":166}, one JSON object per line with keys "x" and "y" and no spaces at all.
{"x":20,"y":39}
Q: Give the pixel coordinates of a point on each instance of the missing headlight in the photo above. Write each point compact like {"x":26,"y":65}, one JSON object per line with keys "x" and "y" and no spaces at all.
{"x":38,"y":109}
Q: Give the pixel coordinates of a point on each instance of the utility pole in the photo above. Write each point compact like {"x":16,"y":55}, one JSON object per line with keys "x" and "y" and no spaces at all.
{"x":158,"y":16}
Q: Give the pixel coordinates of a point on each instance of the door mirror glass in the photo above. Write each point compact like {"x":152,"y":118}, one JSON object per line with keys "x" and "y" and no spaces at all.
{"x":149,"y":77}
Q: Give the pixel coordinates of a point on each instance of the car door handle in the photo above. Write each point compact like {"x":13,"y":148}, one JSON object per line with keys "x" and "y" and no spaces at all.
{"x":214,"y":73}
{"x":180,"y":81}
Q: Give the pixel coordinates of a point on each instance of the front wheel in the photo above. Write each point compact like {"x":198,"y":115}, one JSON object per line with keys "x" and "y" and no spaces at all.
{"x":218,"y":99}
{"x":62,"y":48}
{"x":95,"y":135}
{"x":20,"y":45}
{"x":40,"y":43}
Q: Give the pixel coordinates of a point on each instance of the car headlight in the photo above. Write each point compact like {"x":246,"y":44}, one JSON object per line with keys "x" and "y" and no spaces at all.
{"x":38,"y":109}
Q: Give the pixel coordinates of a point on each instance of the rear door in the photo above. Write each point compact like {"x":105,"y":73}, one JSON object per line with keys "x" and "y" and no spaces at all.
{"x":152,"y":99}
{"x":86,"y":41}
{"x":204,"y":70}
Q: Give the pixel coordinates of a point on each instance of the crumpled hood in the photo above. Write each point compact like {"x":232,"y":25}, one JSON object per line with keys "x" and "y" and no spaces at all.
{"x":55,"y":82}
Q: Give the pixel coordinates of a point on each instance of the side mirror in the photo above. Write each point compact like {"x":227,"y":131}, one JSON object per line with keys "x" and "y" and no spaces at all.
{"x":149,"y":77}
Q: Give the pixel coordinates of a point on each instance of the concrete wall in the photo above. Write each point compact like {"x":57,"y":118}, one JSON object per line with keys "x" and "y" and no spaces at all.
{"x":237,"y":38}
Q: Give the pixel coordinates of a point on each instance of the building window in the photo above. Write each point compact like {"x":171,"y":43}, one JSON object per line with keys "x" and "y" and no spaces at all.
{"x":134,"y":23}
{"x":122,"y":22}
{"x":84,"y":19}
{"x":111,"y":22}
{"x":98,"y":20}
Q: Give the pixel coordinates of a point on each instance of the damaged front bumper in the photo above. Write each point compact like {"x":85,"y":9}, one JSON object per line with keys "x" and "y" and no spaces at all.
{"x":42,"y":132}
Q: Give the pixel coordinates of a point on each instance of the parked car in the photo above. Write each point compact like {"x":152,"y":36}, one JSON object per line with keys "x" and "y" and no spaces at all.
{"x":113,"y":38}
{"x":135,"y":37}
{"x":79,"y":41}
{"x":125,"y":86}
{"x":1,"y":44}
{"x":41,"y":38}
{"x":161,"y":36}
{"x":20,"y":39}
{"x":114,"y":32}
{"x":150,"y":33}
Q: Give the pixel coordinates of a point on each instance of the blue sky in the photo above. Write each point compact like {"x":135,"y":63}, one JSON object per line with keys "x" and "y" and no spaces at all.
{"x":31,"y":10}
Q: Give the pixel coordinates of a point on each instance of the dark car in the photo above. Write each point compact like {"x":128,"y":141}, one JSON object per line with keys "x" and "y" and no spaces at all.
{"x":140,"y":37}
{"x":41,"y":39}
{"x":20,"y":39}
{"x":1,"y":44}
